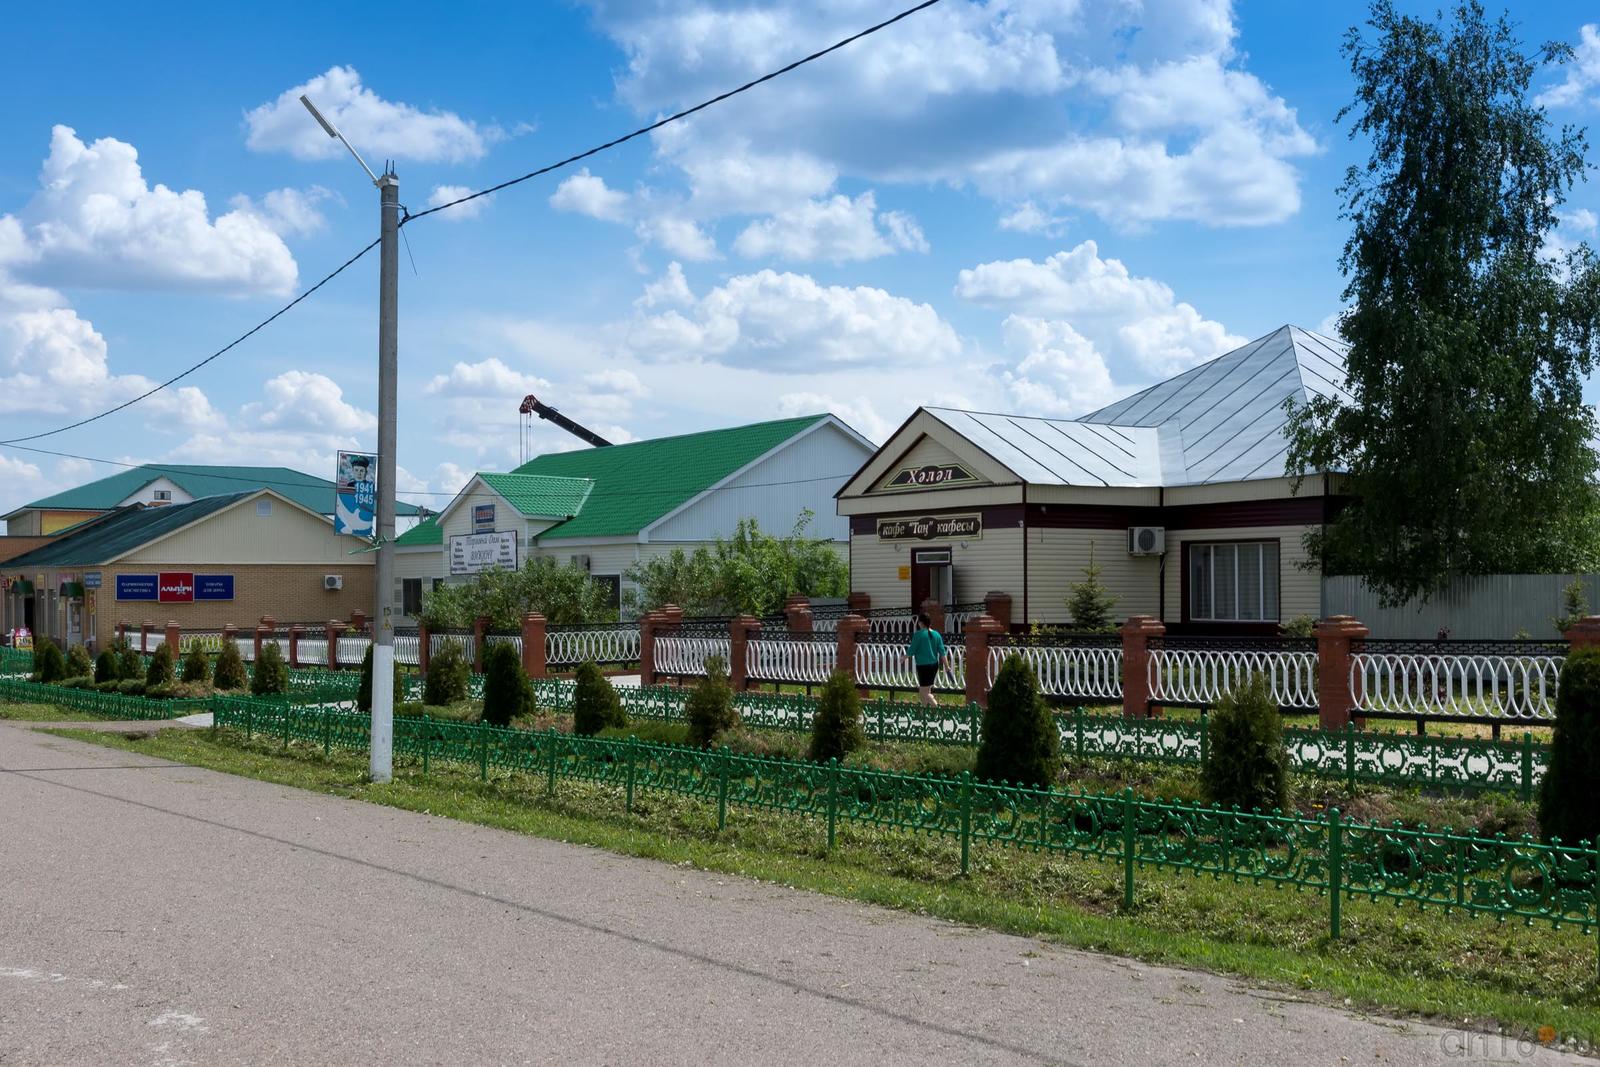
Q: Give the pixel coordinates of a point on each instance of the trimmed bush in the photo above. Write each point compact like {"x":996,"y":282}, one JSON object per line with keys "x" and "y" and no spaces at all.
{"x":449,"y":675}
{"x":131,"y":687}
{"x":130,"y":665}
{"x":228,"y":672}
{"x":271,"y":674}
{"x":710,"y":707}
{"x":1566,"y":795}
{"x":196,"y":667}
{"x":595,"y":704}
{"x":364,"y":690}
{"x":78,"y":662}
{"x":49,"y":665}
{"x":505,"y":687}
{"x":162,"y":671}
{"x":77,"y":681}
{"x":105,"y":667}
{"x":1247,"y":765}
{"x":836,"y":727}
{"x":1020,"y":744}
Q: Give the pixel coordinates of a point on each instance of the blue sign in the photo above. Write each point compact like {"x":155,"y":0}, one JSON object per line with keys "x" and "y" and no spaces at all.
{"x":91,"y":580}
{"x":355,"y":499}
{"x":136,"y":587}
{"x":483,"y":518}
{"x":213,"y":587}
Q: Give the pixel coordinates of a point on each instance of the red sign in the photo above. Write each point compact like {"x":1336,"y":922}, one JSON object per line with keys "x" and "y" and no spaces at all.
{"x":175,"y":587}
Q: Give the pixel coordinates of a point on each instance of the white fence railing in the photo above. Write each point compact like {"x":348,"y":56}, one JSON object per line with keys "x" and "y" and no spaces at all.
{"x":1080,"y":672}
{"x":407,"y":648}
{"x":885,"y":665}
{"x":807,"y":662}
{"x":438,"y":641}
{"x":1445,"y":686}
{"x":618,"y":644}
{"x":352,"y":648}
{"x":685,"y":655}
{"x":1203,"y":676}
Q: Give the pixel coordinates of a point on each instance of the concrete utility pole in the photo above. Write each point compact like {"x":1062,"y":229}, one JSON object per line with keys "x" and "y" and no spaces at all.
{"x":381,"y":765}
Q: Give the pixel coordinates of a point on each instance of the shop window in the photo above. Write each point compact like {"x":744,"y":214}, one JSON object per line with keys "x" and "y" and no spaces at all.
{"x":411,"y":597}
{"x":1233,"y":581}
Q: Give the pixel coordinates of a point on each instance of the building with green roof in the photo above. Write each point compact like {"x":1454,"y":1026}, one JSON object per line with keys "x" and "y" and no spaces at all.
{"x":607,"y":508}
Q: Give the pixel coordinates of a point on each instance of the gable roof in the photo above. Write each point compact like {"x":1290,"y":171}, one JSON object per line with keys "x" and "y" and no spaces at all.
{"x":123,"y":531}
{"x":637,"y":484}
{"x":1222,"y":421}
{"x":315,"y":494}
{"x":424,"y":534}
{"x":546,"y":496}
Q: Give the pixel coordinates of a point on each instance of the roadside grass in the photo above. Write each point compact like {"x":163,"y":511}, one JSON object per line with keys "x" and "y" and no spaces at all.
{"x":1452,"y":968}
{"x":45,"y":713}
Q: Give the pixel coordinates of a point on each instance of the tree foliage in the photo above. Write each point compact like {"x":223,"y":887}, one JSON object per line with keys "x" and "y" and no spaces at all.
{"x":48,"y":663}
{"x":709,"y":708}
{"x":449,"y":676}
{"x":79,"y":665}
{"x":1089,"y":602}
{"x":836,"y":726}
{"x":162,"y":669}
{"x":506,"y":693}
{"x":364,"y":688}
{"x":228,"y":672}
{"x":595,"y":704}
{"x":1566,"y":793}
{"x":1464,"y":434}
{"x":271,"y":673}
{"x":1247,"y":765}
{"x":563,"y":593}
{"x":1020,"y":743}
{"x":105,"y":666}
{"x":196,"y":665}
{"x":753,"y":572}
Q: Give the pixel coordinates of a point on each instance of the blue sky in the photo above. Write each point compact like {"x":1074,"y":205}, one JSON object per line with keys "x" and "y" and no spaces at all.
{"x":1029,"y":206}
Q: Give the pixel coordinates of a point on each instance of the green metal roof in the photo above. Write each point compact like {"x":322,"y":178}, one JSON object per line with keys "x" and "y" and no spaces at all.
{"x":541,"y":495}
{"x":315,"y":494}
{"x":120,"y":533}
{"x":424,"y":534}
{"x":636,"y":484}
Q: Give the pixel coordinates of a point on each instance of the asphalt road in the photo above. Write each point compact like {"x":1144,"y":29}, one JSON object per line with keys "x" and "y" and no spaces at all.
{"x":159,"y":914}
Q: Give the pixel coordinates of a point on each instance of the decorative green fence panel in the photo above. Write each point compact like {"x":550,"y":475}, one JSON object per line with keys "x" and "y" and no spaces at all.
{"x":94,"y":702}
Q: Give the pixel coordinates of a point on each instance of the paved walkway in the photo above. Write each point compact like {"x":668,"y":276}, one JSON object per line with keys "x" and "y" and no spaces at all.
{"x":159,"y":914}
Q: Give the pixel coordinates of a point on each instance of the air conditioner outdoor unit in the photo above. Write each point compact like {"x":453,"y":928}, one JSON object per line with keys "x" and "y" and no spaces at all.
{"x":581,"y":561}
{"x":1147,"y":540}
{"x":333,"y":581}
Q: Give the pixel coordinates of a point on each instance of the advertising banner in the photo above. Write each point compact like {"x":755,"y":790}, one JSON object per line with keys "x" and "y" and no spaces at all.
{"x":175,"y":587}
{"x":136,"y":587}
{"x":355,"y":498}
{"x":91,"y":580}
{"x":483,"y":518}
{"x":470,"y":553}
{"x":213,"y":587}
{"x":930,"y":528}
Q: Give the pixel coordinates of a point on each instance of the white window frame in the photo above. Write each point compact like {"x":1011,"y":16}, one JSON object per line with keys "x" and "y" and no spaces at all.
{"x":1270,"y":613}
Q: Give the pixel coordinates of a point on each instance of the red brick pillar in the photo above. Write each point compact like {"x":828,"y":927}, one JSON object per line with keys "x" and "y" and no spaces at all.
{"x":335,"y":628}
{"x":935,"y":613}
{"x":144,"y":636}
{"x":479,"y":626}
{"x":1585,"y":633}
{"x":978,"y":634}
{"x":230,"y":633}
{"x":174,"y":639}
{"x":740,"y":630}
{"x":294,"y":645}
{"x":859,"y":602}
{"x":673,"y":613}
{"x":261,"y":629}
{"x":850,"y":630}
{"x":1136,"y":635}
{"x":1334,"y":698}
{"x":998,"y":607}
{"x":533,"y":645}
{"x":423,"y":643}
{"x":798,"y":616}
{"x":649,"y":623}
{"x":122,"y":633}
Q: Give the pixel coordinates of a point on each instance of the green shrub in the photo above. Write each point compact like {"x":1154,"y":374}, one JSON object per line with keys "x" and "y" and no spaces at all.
{"x":1090,"y":603}
{"x":1020,"y":743}
{"x":130,"y":665}
{"x":131,"y":687}
{"x":1566,"y":799}
{"x":78,"y":662}
{"x":650,"y":732}
{"x":49,"y":665}
{"x":271,"y":674}
{"x":1299,"y":626}
{"x":505,"y":687}
{"x":196,"y":666}
{"x":364,"y":690}
{"x":77,"y":681}
{"x":449,"y":675}
{"x":710,"y":707}
{"x":836,"y":727}
{"x":1247,"y":765}
{"x":228,"y":672}
{"x":162,"y":671}
{"x":107,"y":686}
{"x":595,"y":704}
{"x":105,"y":666}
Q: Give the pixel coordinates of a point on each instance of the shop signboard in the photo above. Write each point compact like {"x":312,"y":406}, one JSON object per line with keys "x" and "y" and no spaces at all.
{"x":213,"y":587}
{"x":931,"y":476}
{"x":355,"y":498}
{"x":471,"y":553}
{"x":175,"y":587}
{"x":91,"y":579}
{"x":482,"y":518}
{"x":136,"y":587}
{"x":932,"y":528}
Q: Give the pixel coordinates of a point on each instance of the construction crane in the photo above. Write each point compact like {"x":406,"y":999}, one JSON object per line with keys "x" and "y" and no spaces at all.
{"x":531,"y":405}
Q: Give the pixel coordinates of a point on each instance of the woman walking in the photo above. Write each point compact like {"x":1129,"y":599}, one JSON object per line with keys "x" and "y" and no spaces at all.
{"x":927,"y":653}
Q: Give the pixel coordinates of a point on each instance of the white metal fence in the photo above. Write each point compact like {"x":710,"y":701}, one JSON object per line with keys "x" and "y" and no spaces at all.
{"x":685,"y":655}
{"x":1203,"y":675}
{"x":1467,"y":684}
{"x":779,"y":659}
{"x":885,"y":665}
{"x":1079,"y":672}
{"x":586,"y":644}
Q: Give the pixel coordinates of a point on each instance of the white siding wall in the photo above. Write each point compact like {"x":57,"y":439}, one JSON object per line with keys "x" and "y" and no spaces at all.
{"x":1300,"y":590}
{"x":240,"y":534}
{"x":424,"y":563}
{"x":1056,"y":559}
{"x":805,"y":473}
{"x":458,"y":521}
{"x":991,"y":564}
{"x":146,"y":494}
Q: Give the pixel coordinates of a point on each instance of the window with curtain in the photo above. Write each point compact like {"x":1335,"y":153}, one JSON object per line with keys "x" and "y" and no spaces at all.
{"x":1233,"y":581}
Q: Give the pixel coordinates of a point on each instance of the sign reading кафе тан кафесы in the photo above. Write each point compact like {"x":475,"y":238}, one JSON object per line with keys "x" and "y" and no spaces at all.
{"x":932,"y":528}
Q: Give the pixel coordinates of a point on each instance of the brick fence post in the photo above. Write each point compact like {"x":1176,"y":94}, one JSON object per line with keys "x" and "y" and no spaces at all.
{"x":261,"y":628}
{"x":1334,"y":697}
{"x":740,"y":631}
{"x":144,"y":637}
{"x":1136,"y":635}
{"x":122,"y":633}
{"x":424,"y":640}
{"x":859,"y":603}
{"x":1585,"y":633}
{"x":334,"y":629}
{"x":673,"y":613}
{"x":230,"y":634}
{"x":479,"y":625}
{"x":978,"y":633}
{"x":648,"y":624}
{"x":533,"y":629}
{"x":998,"y":607}
{"x":935,"y":613}
{"x":851,"y":627}
{"x":797,"y":615}
{"x":294,"y":645}
{"x":174,"y":638}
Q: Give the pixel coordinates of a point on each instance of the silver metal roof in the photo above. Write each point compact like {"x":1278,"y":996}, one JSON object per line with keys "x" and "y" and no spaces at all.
{"x":1222,"y":421}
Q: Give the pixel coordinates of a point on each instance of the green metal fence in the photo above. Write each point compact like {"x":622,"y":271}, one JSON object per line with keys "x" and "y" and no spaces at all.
{"x":1507,"y":878}
{"x":15,"y":660}
{"x":94,"y":702}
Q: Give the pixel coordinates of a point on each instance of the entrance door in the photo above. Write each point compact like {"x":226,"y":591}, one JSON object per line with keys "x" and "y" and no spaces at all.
{"x":932,"y":577}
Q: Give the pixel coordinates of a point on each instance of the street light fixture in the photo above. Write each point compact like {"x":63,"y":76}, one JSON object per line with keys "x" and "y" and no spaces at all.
{"x":381,"y":764}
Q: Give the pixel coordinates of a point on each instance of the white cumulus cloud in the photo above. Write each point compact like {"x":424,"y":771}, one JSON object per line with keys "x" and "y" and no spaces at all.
{"x":1059,"y":372}
{"x":468,"y":209}
{"x":837,"y":229}
{"x":1582,"y":74}
{"x":486,"y":379}
{"x":300,"y":400}
{"x":588,"y":194}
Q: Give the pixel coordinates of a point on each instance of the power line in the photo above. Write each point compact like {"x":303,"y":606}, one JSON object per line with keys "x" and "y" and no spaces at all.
{"x":641,"y":131}
{"x":340,"y":269}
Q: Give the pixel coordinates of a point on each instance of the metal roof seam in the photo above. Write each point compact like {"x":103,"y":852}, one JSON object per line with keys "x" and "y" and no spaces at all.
{"x":1058,"y":452}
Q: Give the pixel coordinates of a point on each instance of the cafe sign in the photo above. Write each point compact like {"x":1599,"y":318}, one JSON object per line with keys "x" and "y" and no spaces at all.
{"x":931,"y":476}
{"x":931,"y":528}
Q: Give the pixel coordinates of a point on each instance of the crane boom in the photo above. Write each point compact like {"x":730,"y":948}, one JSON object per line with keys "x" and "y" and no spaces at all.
{"x":532,"y":405}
